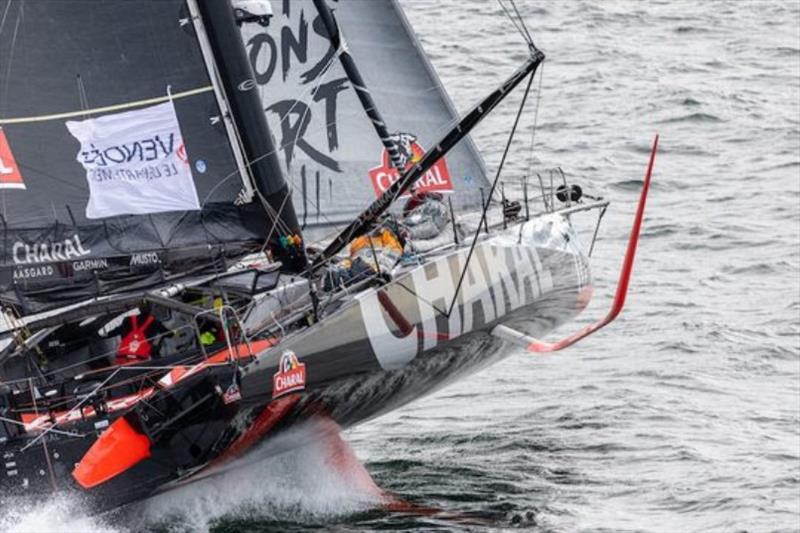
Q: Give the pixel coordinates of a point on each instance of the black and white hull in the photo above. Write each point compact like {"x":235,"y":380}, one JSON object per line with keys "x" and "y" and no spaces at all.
{"x":383,"y":347}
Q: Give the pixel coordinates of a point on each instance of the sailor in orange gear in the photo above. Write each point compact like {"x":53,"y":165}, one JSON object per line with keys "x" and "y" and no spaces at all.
{"x":141,"y":335}
{"x":377,"y":252}
{"x":381,"y":248}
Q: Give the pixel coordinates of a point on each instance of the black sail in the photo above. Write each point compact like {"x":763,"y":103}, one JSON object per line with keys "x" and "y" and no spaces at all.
{"x":71,"y":61}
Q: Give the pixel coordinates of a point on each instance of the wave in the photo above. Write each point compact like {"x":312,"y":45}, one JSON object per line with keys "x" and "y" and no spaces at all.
{"x":785,"y":51}
{"x":694,"y":117}
{"x":690,"y":29}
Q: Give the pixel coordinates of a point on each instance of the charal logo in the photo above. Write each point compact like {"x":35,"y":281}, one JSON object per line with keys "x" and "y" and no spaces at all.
{"x":233,"y":394}
{"x":49,"y":252}
{"x":437,"y":178}
{"x":10,"y":176}
{"x":290,"y":377}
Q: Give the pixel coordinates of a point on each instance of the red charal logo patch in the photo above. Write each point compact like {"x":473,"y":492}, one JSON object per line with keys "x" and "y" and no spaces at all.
{"x":233,"y":394}
{"x":10,"y":176}
{"x":435,"y":179}
{"x":290,"y":377}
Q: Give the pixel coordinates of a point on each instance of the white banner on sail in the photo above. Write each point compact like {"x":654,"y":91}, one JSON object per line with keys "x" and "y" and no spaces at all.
{"x":136,"y":163}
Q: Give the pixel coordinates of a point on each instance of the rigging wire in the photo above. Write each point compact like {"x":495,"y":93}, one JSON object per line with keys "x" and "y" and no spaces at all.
{"x":56,"y":431}
{"x":5,"y":15}
{"x":483,"y":219}
{"x":79,"y":405}
{"x":491,"y":192}
{"x":535,"y":118}
{"x":277,"y":218}
{"x":4,"y":99}
{"x":522,"y":23}
{"x":82,"y":96}
{"x":517,"y":22}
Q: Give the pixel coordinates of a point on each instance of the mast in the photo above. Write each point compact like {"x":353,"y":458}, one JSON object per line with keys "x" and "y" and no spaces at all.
{"x":239,"y":85}
{"x":361,"y":224}
{"x":353,"y":74}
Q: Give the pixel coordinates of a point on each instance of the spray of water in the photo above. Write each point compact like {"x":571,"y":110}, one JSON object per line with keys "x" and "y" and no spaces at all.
{"x":62,"y":513}
{"x":294,"y":477}
{"x":306,"y":474}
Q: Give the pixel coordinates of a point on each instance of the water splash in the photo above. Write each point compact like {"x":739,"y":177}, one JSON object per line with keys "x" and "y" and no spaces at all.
{"x":62,"y":513}
{"x":308,"y":474}
{"x":297,"y":477}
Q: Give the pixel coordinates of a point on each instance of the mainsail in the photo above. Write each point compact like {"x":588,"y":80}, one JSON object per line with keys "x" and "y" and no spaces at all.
{"x":116,"y":171}
{"x":335,"y":161}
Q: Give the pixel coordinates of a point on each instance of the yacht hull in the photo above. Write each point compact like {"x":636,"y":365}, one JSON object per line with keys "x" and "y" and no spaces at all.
{"x":377,"y":351}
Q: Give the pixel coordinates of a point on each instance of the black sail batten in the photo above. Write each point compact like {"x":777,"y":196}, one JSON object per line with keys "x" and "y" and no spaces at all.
{"x":407,"y":180}
{"x":238,"y":80}
{"x":60,"y":243}
{"x":359,"y":85}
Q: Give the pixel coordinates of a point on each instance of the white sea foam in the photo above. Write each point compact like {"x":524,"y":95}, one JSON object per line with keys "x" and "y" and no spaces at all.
{"x":62,"y":513}
{"x":299,"y":474}
{"x":293,"y":476}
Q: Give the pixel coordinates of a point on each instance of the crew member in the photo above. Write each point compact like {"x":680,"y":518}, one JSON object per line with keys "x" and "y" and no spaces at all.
{"x":382,"y":247}
{"x":140,"y":336}
{"x":377,"y":252}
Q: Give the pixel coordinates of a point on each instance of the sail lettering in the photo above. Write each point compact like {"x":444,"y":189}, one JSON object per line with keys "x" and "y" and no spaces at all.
{"x":256,"y":44}
{"x":149,"y":258}
{"x":315,"y":111}
{"x":497,"y":281}
{"x":49,"y":252}
{"x":437,"y":178}
{"x":328,"y":93}
{"x":315,"y":71}
{"x":290,"y":43}
{"x":145,"y":150}
{"x":90,"y":264}
{"x":25,"y":273}
{"x":296,"y":129}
